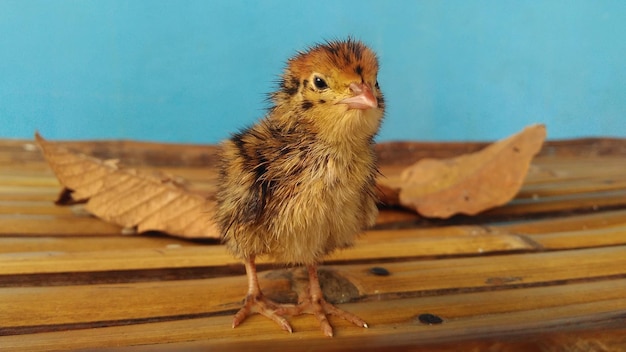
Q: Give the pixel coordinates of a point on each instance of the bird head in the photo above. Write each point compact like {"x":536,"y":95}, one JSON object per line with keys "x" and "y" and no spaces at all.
{"x":333,"y":88}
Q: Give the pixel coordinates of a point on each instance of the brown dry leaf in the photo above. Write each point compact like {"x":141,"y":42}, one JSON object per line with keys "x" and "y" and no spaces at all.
{"x":470,"y":183}
{"x":129,"y":198}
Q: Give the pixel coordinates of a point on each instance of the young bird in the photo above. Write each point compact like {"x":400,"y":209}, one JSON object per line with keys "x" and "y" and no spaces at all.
{"x":300,"y":183}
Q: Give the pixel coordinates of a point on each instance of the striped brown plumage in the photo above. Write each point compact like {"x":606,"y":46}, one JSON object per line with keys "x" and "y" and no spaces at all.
{"x":300,"y":183}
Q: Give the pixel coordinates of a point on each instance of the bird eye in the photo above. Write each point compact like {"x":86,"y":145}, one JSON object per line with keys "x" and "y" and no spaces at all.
{"x":319,"y":83}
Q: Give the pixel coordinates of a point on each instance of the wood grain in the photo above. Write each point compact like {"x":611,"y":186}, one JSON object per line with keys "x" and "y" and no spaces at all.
{"x":545,"y":272}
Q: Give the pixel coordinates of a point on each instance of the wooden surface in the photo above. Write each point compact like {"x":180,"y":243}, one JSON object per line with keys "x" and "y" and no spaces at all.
{"x":545,"y":272}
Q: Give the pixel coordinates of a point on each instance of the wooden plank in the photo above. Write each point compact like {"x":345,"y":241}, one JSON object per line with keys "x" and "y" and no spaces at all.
{"x":393,"y":323}
{"x":443,"y":241}
{"x":533,"y":199}
{"x":106,"y":260}
{"x":511,"y":269}
{"x":408,"y":152}
{"x":46,"y":225}
{"x":543,"y":169}
{"x":28,"y":190}
{"x":585,"y":230}
{"x":12,"y":151}
{"x":30,"y":179}
{"x":462,"y":332}
{"x":582,"y":231}
{"x":33,"y":207}
{"x":561,"y":277}
{"x":569,"y":202}
{"x":603,"y":184}
{"x":579,"y":335}
{"x":576,"y":167}
{"x":15,"y":221}
{"x":79,"y":304}
{"x":396,"y":244}
{"x":80,"y":254}
{"x":46,"y":195}
{"x":23,"y":244}
{"x":375,"y":244}
{"x":580,"y":239}
{"x":580,"y":222}
{"x":393,"y":217}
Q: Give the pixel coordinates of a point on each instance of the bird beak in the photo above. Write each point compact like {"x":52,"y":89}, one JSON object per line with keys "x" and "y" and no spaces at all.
{"x":362,"y":99}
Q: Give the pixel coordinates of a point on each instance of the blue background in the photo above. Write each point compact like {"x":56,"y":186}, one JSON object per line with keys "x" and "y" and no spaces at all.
{"x":194,"y":71}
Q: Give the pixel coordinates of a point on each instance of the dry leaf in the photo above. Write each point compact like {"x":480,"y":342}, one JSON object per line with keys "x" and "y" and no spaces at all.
{"x":129,"y":198}
{"x":470,"y":183}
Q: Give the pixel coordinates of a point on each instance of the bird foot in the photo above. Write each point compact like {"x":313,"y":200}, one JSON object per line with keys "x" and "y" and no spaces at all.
{"x":264,"y":306}
{"x":311,"y":302}
{"x":321,"y":309}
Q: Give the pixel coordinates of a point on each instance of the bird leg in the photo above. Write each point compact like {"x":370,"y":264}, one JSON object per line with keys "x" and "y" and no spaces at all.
{"x":314,"y":303}
{"x":256,"y":302}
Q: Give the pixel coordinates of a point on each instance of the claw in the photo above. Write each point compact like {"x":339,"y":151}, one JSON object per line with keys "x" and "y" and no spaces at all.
{"x":313,"y":303}
{"x":264,"y":306}
{"x":257,"y":303}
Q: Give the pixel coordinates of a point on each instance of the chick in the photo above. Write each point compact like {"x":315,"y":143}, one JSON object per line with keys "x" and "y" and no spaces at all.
{"x":301,"y":182}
